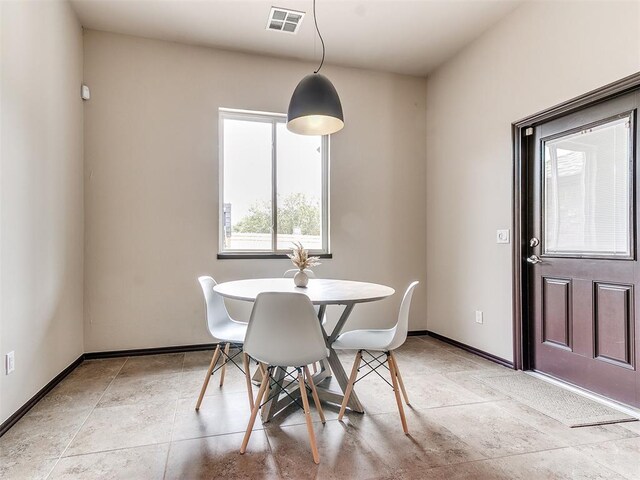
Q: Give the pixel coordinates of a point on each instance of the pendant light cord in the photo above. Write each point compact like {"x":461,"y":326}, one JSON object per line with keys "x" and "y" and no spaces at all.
{"x":315,"y":20}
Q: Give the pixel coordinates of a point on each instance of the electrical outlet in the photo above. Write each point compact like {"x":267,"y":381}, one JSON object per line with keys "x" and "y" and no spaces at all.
{"x":10,"y":362}
{"x":479,"y":316}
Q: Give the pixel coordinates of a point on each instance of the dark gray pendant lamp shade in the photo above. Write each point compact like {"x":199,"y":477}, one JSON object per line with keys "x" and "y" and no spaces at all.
{"x":315,"y":107}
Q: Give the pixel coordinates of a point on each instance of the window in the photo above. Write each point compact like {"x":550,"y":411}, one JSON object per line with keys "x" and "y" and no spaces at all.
{"x":588,"y":191}
{"x":273,"y":185}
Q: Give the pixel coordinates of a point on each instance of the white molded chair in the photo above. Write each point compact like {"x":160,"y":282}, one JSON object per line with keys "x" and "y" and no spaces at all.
{"x":284,"y":332}
{"x":227,"y":331}
{"x":379,"y":340}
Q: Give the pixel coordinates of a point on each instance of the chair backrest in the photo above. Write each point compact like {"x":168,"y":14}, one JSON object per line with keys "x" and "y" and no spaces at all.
{"x":402,"y":327}
{"x":284,"y":330}
{"x":291,"y":273}
{"x":217,"y":315}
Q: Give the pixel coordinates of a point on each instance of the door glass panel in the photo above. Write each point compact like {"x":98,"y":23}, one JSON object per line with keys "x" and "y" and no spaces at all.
{"x":587,"y":189}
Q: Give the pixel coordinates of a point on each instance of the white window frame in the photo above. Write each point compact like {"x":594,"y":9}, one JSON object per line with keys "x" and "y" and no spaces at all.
{"x":277,"y":251}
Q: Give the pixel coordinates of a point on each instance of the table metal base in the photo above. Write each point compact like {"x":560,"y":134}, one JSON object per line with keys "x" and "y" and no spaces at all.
{"x":278,"y":400}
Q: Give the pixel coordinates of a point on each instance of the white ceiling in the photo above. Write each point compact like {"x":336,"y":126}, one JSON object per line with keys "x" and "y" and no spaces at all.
{"x":411,"y":37}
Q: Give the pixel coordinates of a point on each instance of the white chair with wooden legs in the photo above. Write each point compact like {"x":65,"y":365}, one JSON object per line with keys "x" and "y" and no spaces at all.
{"x":284,"y":332}
{"x":228,"y":332}
{"x":383,"y":342}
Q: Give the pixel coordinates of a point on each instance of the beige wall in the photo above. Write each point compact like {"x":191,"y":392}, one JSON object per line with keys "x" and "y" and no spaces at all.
{"x":41,"y":185}
{"x":542,"y":54}
{"x":151,"y":184}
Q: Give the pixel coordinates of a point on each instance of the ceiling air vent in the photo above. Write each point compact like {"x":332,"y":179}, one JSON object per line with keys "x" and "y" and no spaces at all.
{"x":283,"y":20}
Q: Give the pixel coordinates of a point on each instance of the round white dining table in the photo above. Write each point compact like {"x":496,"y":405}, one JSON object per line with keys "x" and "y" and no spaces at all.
{"x":321,"y":292}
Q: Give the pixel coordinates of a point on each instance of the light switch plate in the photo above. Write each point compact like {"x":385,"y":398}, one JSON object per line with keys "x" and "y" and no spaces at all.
{"x":503,"y":236}
{"x":85,"y":93}
{"x":479,"y":316}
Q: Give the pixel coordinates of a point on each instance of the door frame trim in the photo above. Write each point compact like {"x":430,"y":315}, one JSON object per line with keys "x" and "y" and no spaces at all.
{"x":521,"y":320}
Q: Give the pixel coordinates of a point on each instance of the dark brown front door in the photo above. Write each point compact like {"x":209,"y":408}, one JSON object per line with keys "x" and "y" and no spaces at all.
{"x":582,"y":250}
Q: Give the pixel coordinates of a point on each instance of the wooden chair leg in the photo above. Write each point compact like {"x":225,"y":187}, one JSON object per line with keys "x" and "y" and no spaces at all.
{"x":395,"y":365}
{"x":352,"y":379}
{"x":254,"y":413}
{"x":307,"y":414}
{"x":263,"y":369}
{"x":314,"y":393}
{"x":214,"y":360}
{"x":224,"y":363}
{"x":247,"y":376}
{"x":396,"y":391}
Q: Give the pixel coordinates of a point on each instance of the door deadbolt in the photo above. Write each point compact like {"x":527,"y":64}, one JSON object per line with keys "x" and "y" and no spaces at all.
{"x":534,"y":242}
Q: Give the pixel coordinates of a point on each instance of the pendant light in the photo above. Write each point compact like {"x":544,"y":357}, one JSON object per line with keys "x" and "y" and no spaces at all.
{"x":315,"y":107}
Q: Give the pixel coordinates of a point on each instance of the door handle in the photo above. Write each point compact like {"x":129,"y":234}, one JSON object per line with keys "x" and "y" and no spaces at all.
{"x":533,"y":259}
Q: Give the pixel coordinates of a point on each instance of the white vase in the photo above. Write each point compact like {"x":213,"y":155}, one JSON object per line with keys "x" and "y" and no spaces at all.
{"x":301,"y":279}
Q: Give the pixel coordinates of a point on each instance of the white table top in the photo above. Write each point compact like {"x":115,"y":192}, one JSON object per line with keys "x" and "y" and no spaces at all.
{"x":321,"y":291}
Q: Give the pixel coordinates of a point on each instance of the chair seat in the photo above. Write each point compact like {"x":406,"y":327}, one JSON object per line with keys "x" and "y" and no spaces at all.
{"x":233,"y":332}
{"x":302,"y":358}
{"x":379,"y":339}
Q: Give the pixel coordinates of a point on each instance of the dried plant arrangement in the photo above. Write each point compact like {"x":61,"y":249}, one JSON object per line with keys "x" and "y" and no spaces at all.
{"x":301,"y":259}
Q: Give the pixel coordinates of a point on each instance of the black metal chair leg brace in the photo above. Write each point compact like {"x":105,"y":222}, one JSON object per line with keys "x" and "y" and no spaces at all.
{"x":262,"y":398}
{"x":224,"y":352}
{"x":374,"y":364}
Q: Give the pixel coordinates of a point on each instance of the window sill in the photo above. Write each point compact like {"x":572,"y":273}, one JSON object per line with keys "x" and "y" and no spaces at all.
{"x":264,"y":256}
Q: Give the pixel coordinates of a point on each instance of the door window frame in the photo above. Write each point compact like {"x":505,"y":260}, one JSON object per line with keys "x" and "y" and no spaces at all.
{"x":631,"y":116}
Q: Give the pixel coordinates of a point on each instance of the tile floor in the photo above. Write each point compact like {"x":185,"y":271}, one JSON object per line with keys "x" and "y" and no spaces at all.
{"x":133,"y":418}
